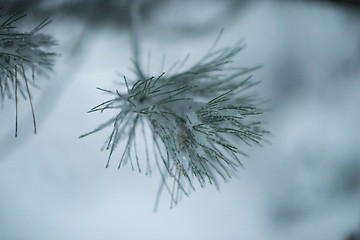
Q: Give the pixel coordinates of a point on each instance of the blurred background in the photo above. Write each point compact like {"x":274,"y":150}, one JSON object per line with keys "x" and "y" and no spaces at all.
{"x":304,"y":184}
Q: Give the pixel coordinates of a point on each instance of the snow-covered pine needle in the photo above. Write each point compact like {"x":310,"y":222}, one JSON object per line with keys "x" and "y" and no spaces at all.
{"x":199,"y":119}
{"x":21,"y":56}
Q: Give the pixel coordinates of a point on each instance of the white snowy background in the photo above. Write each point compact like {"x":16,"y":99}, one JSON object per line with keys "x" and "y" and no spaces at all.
{"x":305,"y":184}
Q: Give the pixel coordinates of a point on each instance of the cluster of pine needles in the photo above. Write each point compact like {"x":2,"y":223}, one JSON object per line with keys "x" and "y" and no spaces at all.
{"x":192,"y":123}
{"x":22,"y":54}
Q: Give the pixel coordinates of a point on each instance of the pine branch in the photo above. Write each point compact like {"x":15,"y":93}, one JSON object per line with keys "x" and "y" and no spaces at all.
{"x":196,"y":136}
{"x":23,"y":54}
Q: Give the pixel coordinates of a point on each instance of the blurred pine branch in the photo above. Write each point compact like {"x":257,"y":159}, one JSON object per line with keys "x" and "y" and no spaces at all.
{"x":22,"y":56}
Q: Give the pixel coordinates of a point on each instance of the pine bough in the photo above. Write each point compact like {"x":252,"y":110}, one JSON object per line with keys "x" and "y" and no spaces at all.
{"x":198,"y":120}
{"x":21,"y":56}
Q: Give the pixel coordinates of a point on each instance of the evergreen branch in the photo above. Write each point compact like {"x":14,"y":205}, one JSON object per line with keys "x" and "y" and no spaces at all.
{"x":27,"y":52}
{"x":194,"y":118}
